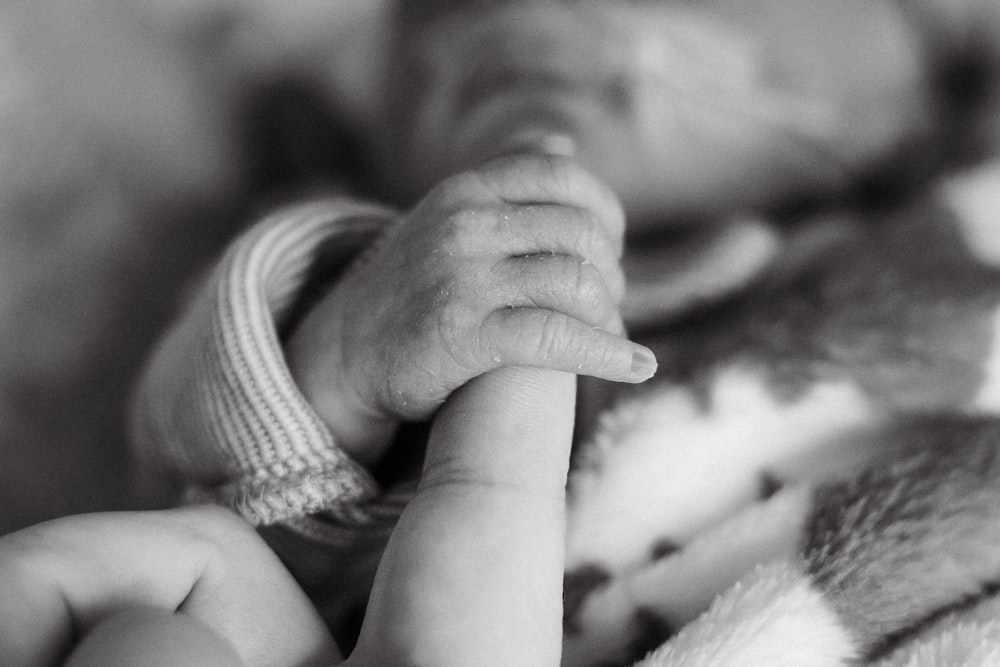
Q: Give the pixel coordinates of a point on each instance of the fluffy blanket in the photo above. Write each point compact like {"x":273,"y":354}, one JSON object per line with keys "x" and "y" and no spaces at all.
{"x":816,"y":478}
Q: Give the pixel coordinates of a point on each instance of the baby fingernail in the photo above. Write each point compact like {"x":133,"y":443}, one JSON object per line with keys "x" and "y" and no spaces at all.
{"x":557,"y":144}
{"x":643,"y":364}
{"x":539,"y":142}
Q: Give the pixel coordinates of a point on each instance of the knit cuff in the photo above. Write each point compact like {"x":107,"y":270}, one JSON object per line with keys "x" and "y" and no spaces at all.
{"x":218,"y":405}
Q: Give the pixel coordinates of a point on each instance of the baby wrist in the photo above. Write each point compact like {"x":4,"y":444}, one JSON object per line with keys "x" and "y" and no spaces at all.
{"x":363,"y":435}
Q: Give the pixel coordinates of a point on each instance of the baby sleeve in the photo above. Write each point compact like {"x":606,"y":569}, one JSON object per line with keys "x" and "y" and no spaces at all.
{"x":217,"y":411}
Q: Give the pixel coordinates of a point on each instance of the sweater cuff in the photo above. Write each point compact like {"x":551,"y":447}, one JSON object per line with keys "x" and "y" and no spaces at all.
{"x":218,"y":404}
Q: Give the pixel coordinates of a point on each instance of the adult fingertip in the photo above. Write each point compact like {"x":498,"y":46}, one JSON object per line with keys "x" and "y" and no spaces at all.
{"x":644,"y":365}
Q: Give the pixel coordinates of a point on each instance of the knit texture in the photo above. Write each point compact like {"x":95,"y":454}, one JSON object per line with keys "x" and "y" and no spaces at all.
{"x":218,"y":405}
{"x":812,"y":477}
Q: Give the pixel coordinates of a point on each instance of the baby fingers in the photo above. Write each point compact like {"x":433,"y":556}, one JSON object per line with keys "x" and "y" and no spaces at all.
{"x":543,"y":338}
{"x":564,"y":283}
{"x":546,"y":179}
{"x":547,"y":229}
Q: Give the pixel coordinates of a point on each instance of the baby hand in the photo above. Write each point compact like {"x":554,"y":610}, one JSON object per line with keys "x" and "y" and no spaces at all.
{"x":511,"y":264}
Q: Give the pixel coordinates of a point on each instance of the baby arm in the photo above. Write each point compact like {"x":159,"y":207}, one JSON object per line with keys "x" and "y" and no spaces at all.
{"x":512,"y":264}
{"x":472,"y":574}
{"x":193,"y":586}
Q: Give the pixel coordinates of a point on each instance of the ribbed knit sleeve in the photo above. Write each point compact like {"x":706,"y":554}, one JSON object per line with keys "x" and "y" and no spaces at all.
{"x":217,"y":406}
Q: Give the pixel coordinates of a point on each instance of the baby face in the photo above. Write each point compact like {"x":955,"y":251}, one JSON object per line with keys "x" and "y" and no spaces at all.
{"x":687,"y":109}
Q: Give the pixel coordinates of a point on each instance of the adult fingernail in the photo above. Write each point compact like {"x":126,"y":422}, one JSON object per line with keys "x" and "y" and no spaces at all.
{"x":643,"y":364}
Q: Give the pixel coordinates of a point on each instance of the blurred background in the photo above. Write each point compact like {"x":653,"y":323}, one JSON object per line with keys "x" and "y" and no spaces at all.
{"x":135,"y":138}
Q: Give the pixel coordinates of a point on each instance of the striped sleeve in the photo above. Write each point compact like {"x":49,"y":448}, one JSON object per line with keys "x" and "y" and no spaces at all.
{"x":217,"y":407}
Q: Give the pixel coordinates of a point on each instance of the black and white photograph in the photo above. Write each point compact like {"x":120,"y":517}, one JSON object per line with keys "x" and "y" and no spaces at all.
{"x":526,"y":333}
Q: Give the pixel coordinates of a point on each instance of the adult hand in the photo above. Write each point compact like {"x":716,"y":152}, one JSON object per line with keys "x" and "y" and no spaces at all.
{"x":472,"y":574}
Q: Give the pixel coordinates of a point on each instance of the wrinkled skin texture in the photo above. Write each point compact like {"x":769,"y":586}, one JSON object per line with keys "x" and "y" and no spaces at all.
{"x":714,"y":177}
{"x":674,"y":111}
{"x":512,"y":264}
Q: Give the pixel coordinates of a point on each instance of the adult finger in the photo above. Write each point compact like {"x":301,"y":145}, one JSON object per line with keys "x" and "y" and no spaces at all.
{"x":540,"y":338}
{"x":472,"y":574}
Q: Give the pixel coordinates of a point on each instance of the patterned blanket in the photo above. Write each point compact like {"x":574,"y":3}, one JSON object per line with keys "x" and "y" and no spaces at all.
{"x":815,"y":479}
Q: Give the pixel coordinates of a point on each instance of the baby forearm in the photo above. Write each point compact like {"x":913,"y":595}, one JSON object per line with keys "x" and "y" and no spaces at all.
{"x":357,"y":428}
